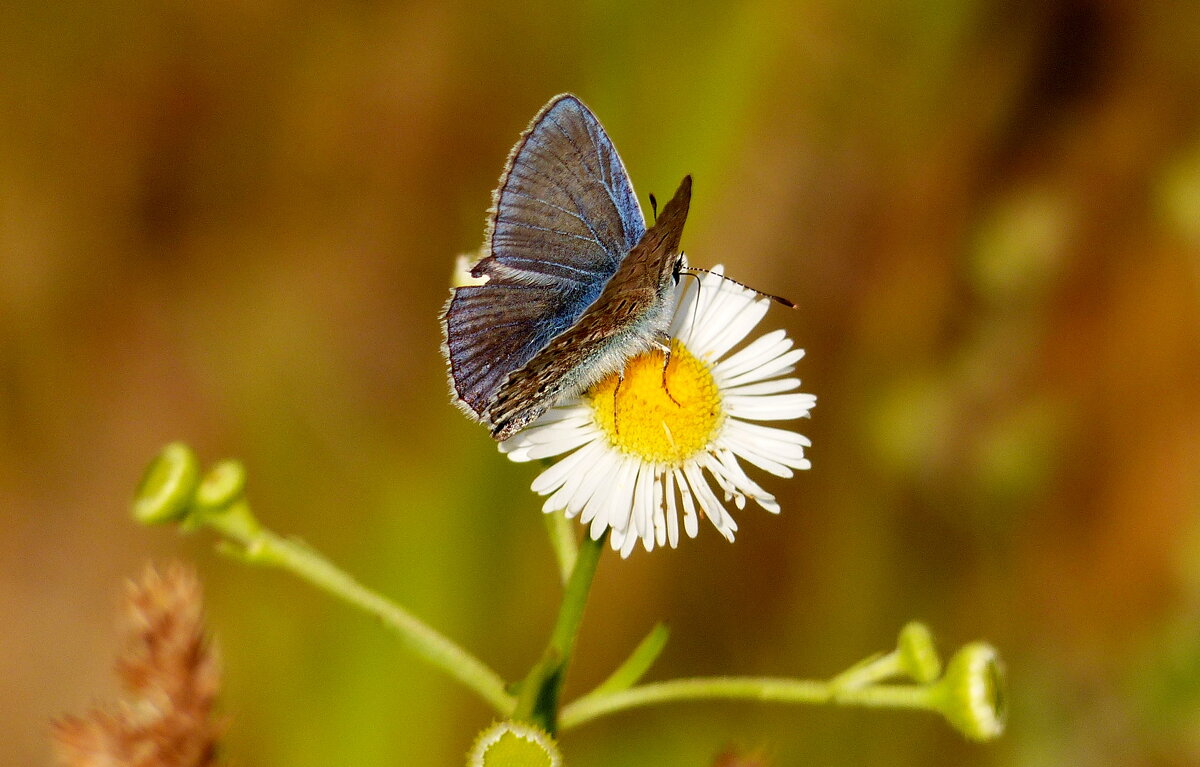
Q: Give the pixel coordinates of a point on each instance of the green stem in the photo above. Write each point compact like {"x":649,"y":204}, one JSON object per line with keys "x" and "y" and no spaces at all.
{"x":767,"y":689}
{"x":261,"y":546}
{"x":867,"y":672}
{"x":538,"y":700}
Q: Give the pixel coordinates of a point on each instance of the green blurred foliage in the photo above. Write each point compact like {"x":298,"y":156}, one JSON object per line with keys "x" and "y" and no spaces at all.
{"x":234,"y":223}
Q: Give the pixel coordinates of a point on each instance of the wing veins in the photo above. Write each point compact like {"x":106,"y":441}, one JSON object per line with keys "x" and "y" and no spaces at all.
{"x":574,"y":144}
{"x":527,"y":225}
{"x":539,"y":153}
{"x":509,"y":260}
{"x":605,"y":179}
{"x":547,"y":203}
{"x":614,"y":256}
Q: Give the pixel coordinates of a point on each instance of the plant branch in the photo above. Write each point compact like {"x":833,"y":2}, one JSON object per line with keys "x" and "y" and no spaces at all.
{"x":766,"y":689}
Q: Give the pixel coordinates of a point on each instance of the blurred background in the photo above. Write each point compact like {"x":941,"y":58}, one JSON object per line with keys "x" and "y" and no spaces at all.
{"x":233,"y":223}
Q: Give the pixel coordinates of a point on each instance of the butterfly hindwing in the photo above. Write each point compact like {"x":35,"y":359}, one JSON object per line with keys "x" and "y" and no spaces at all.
{"x":564,"y":217}
{"x":489,"y":327}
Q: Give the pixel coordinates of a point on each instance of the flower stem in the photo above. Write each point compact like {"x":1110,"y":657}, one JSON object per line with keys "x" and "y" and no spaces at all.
{"x":258,"y":545}
{"x":766,"y":689}
{"x":538,"y":699}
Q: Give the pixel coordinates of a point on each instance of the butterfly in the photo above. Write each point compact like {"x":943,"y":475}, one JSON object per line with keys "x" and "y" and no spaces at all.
{"x":575,"y":282}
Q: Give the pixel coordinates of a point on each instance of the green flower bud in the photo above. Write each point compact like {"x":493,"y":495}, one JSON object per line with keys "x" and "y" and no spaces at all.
{"x":972,"y":694}
{"x":168,"y":486}
{"x":222,"y":485}
{"x":514,"y":744}
{"x":917,"y":654}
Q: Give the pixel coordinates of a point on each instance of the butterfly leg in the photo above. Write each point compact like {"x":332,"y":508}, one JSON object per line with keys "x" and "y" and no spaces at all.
{"x":664,"y":344}
{"x":616,"y":394}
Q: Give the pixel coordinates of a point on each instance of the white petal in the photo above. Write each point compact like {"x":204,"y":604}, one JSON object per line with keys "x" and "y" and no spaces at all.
{"x":750,"y":487}
{"x":708,"y":502}
{"x":594,"y":493}
{"x":734,"y":328}
{"x":615,"y":540}
{"x":691,"y":521}
{"x":620,"y":512}
{"x":552,"y":442}
{"x":757,"y":352}
{"x":672,"y":512}
{"x":763,"y":387}
{"x":550,"y":427}
{"x":553,"y":478}
{"x":696,"y":327}
{"x":709,"y":463}
{"x":598,"y":525}
{"x":779,"y":445}
{"x":576,"y":493}
{"x":749,"y":449}
{"x":659,"y":508}
{"x":685,"y":311}
{"x":773,"y":407}
{"x":781,"y":365}
{"x":643,"y":499}
{"x":580,"y":420}
{"x":615,"y":495}
{"x":630,"y":540}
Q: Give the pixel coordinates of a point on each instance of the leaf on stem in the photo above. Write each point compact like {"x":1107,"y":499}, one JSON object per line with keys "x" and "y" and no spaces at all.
{"x":638,"y":662}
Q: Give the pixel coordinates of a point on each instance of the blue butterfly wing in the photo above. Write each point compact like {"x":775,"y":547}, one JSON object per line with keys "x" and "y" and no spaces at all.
{"x":564,"y":217}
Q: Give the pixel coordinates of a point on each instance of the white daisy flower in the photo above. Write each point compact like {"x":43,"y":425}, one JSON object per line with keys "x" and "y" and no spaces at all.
{"x":641,"y":455}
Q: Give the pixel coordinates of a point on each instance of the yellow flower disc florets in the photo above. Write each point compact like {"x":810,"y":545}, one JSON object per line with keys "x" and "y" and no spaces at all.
{"x":659,"y":424}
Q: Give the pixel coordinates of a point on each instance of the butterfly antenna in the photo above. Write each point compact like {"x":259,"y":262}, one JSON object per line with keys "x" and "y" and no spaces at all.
{"x":772,"y":296}
{"x":654,"y":205}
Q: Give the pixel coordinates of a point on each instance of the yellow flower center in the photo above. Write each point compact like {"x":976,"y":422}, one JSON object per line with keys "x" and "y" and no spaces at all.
{"x":661,"y":416}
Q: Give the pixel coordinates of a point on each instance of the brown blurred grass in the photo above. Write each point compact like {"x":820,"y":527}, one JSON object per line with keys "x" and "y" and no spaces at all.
{"x":233,"y":224}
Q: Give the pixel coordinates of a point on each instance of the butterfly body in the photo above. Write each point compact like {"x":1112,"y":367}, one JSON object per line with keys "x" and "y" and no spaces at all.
{"x":575,"y":286}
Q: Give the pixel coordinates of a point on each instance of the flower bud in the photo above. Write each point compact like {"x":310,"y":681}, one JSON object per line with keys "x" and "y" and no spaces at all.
{"x":972,"y":694}
{"x":514,"y":744}
{"x":222,"y":485}
{"x":168,"y":486}
{"x":917,"y":654}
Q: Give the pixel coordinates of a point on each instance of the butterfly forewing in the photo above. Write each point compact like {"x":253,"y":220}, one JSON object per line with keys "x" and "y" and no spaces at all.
{"x":565,"y":209}
{"x":565,"y":216}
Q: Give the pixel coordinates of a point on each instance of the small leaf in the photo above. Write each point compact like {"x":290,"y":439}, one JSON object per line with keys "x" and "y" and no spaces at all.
{"x":637,"y":664}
